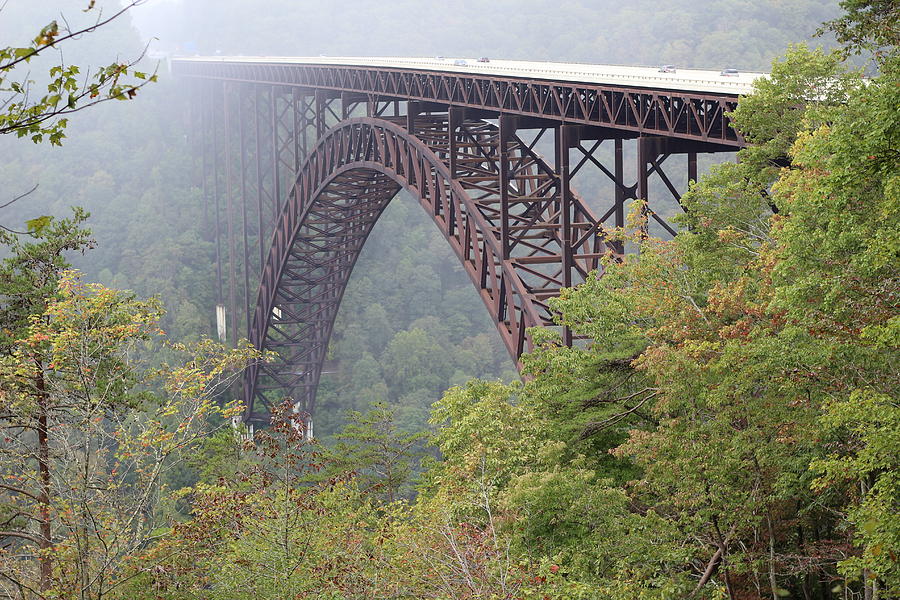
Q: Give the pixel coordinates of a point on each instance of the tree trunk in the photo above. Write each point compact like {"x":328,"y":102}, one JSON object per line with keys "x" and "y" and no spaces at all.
{"x":773,"y":583}
{"x":867,"y":581}
{"x":46,"y":539}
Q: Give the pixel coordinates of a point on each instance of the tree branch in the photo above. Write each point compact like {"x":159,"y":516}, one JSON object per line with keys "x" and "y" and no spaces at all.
{"x":20,"y":196}
{"x":97,"y":25}
{"x":12,"y":488}
{"x":711,"y":567}
{"x":20,"y":534}
{"x":594,"y":428}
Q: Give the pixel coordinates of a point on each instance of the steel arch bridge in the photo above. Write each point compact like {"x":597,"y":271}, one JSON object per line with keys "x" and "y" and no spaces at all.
{"x":299,"y":157}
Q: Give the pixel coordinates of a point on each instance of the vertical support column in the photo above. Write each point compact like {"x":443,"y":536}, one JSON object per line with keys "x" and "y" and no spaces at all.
{"x":321,"y":106}
{"x":412,"y":111}
{"x":692,"y":167}
{"x":296,"y":120}
{"x":216,"y":134}
{"x":455,"y":118}
{"x":619,"y":173}
{"x":261,"y":235}
{"x":243,"y":97}
{"x":566,"y":137}
{"x":507,"y":131}
{"x":229,"y":203}
{"x":195,"y":133}
{"x":304,"y":107}
{"x":276,"y":153}
{"x":205,"y":109}
{"x":644,"y":155}
{"x":345,"y":106}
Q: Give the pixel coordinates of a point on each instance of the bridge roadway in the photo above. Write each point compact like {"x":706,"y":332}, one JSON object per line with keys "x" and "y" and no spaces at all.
{"x":690,"y":80}
{"x":300,"y":156}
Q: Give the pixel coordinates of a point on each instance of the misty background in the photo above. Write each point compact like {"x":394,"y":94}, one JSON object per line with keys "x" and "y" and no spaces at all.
{"x":411,"y":324}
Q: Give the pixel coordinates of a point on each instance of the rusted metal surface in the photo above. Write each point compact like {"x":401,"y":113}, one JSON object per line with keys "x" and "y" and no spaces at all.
{"x":641,"y":111}
{"x":347,"y":180}
{"x":297,"y":180}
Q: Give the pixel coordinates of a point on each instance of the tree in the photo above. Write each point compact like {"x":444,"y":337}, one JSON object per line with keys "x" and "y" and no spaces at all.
{"x":40,"y":116}
{"x":86,"y":442}
{"x":277,"y":529}
{"x":381,"y":458}
{"x":29,"y":277}
{"x":725,"y":364}
{"x":867,"y":25}
{"x":837,"y":278}
{"x":46,"y":116}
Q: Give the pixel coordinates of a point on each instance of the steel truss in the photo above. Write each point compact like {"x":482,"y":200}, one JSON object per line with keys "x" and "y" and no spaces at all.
{"x":687,"y":115}
{"x":294,"y":178}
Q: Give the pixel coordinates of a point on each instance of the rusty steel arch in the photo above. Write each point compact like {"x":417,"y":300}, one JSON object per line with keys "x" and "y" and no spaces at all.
{"x":347,"y":180}
{"x":276,"y":142}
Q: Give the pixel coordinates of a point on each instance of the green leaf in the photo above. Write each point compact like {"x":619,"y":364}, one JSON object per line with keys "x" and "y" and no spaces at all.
{"x":869,"y":526}
{"x":37,"y":225}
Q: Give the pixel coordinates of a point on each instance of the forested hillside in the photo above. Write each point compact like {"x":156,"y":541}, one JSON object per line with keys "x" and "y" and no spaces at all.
{"x":741,"y":33}
{"x":732,"y":431}
{"x":406,"y":291}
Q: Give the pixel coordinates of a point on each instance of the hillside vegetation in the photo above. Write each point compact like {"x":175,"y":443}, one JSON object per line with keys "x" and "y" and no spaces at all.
{"x":732,"y":431}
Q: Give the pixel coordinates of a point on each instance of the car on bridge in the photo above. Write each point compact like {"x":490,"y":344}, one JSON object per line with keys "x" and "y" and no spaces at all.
{"x":667,"y":69}
{"x":460,"y":63}
{"x":729,"y":73}
{"x":484,"y":59}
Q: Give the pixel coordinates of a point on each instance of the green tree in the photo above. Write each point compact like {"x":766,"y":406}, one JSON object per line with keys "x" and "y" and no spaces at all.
{"x":274,"y":530}
{"x":382,"y":458}
{"x":29,"y":277}
{"x":85,"y":447}
{"x":868,"y":25}
{"x":45,"y":115}
{"x":837,"y":281}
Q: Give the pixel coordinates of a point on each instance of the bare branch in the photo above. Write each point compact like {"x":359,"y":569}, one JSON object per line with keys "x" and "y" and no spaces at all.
{"x":70,"y":35}
{"x":12,"y":488}
{"x":20,"y":534}
{"x":594,"y":428}
{"x":20,"y":196}
{"x":711,"y":567}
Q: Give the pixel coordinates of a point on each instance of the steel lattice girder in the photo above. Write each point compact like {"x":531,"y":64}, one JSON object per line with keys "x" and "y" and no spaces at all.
{"x":511,"y":217}
{"x":348,"y":179}
{"x":686,"y":115}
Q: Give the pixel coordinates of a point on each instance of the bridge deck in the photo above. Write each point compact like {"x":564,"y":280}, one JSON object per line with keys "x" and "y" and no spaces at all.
{"x":691,"y":80}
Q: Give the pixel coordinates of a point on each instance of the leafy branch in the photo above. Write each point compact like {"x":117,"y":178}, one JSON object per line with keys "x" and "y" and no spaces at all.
{"x":46,"y":116}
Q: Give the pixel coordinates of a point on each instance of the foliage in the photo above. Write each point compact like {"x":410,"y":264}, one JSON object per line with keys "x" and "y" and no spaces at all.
{"x":868,"y":25}
{"x":270,"y":531}
{"x":844,"y":201}
{"x":29,"y":276}
{"x":85,"y":446}
{"x":381,"y":457}
{"x":36,"y":116}
{"x":731,"y":432}
{"x":746,"y":370}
